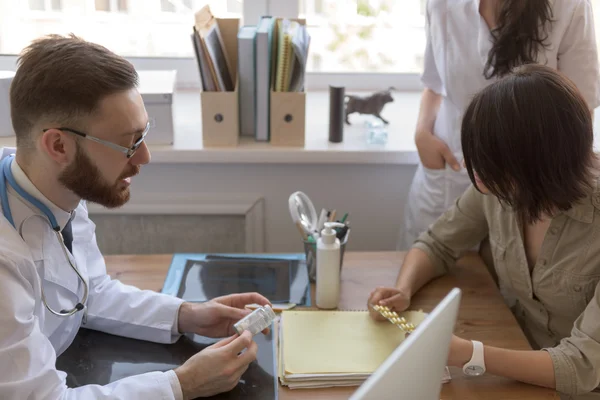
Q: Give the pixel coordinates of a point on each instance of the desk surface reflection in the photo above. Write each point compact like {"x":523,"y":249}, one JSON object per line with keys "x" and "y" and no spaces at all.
{"x":99,"y":358}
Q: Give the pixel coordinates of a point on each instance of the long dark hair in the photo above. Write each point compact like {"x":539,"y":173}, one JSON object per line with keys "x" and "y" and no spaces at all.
{"x":529,"y":139}
{"x":520,"y":33}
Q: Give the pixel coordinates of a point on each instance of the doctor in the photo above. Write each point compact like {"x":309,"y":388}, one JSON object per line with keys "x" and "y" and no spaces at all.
{"x":470,"y":44}
{"x":80,"y":126}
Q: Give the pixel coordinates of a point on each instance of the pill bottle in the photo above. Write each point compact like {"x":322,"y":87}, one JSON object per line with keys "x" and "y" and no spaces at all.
{"x":256,"y":321}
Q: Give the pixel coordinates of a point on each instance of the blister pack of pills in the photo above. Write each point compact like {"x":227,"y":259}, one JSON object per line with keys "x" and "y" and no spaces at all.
{"x":394,"y":318}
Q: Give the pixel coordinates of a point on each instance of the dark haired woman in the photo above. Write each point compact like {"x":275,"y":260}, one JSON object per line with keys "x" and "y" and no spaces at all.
{"x":470,"y":44}
{"x":528,"y":148}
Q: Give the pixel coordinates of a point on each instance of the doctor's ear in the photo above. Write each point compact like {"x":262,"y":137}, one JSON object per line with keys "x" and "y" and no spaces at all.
{"x":59,"y":145}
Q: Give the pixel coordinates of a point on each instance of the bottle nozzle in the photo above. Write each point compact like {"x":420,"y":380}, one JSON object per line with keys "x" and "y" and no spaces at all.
{"x":329,"y":231}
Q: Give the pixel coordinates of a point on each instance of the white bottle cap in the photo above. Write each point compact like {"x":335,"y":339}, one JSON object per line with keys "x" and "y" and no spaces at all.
{"x":328,"y":235}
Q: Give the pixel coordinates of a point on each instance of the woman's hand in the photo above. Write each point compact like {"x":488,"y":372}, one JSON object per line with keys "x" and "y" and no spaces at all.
{"x":434,"y":152}
{"x":393,"y":298}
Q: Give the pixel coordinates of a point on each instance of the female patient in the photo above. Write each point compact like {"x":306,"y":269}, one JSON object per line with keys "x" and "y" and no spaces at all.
{"x":527,"y":143}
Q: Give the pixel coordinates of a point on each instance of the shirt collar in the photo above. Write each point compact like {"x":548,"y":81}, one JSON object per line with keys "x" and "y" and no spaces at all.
{"x":62,"y":216}
{"x":583,"y":210}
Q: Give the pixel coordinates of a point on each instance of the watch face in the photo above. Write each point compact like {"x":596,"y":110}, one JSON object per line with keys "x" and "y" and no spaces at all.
{"x":474,"y":370}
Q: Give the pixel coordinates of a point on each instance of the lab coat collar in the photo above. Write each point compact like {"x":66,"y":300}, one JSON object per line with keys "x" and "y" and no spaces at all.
{"x":62,"y":216}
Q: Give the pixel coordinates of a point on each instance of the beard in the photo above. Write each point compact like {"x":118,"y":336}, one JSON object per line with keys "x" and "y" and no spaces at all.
{"x":84,"y":179}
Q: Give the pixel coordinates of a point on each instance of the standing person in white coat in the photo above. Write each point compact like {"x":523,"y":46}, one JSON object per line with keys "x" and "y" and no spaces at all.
{"x":470,"y":44}
{"x":80,"y":125}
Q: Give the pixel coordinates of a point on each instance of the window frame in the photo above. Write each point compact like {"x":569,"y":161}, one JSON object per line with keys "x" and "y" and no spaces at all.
{"x":187,"y":70}
{"x":113,"y":7}
{"x":47,"y":7}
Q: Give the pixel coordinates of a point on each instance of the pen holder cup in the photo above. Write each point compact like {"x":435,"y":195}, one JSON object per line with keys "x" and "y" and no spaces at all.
{"x":310,"y":250}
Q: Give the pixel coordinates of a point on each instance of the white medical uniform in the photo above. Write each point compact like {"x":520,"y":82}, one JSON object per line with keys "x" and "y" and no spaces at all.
{"x":31,"y":337}
{"x":458,"y":43}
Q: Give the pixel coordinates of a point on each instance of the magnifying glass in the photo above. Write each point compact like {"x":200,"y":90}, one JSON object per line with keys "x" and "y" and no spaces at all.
{"x":303,"y":211}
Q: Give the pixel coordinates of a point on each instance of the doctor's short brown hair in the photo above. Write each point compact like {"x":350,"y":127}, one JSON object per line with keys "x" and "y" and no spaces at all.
{"x":61,"y":79}
{"x":529,"y":138}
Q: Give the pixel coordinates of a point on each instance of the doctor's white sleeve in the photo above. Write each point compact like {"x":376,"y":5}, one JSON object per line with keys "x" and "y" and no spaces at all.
{"x":120,"y":309}
{"x":28,"y":359}
{"x":578,"y":54}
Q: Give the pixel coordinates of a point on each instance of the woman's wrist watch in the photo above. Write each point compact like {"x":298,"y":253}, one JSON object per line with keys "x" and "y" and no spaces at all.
{"x":476,"y":365}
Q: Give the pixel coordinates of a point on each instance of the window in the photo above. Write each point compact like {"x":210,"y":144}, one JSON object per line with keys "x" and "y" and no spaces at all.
{"x":175,"y":5}
{"x":365,"y":35}
{"x":383,"y":40}
{"x":371,"y":35}
{"x":132,"y":28}
{"x":45,"y":5}
{"x":111,"y":5}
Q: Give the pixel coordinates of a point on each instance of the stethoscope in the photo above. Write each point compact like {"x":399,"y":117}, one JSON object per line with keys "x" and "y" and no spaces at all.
{"x":7,"y":176}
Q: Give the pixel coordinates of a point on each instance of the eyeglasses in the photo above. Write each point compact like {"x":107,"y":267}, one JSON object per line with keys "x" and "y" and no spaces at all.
{"x":128,"y":151}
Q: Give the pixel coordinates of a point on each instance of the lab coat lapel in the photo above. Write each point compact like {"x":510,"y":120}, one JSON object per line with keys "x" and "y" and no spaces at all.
{"x":464,"y":63}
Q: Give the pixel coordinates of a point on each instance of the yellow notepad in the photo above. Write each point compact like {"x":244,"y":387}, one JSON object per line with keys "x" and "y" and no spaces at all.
{"x":284,"y":55}
{"x":338,"y":342}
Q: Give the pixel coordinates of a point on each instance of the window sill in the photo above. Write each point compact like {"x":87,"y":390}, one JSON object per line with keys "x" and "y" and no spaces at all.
{"x":400,"y":149}
{"x":354,"y":149}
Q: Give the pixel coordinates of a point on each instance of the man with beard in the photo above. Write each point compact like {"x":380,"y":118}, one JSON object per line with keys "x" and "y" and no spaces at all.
{"x":80,"y":125}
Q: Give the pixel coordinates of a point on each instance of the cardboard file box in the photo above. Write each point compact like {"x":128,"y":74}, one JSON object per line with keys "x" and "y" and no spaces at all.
{"x":157,"y":88}
{"x":220,"y":110}
{"x":288,"y":118}
{"x":287,"y":110}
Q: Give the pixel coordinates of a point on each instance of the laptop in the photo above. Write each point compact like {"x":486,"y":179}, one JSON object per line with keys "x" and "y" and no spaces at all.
{"x":415,"y":369}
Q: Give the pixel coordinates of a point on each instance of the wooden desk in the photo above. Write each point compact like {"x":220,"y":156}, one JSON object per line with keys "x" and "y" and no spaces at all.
{"x":483,"y":315}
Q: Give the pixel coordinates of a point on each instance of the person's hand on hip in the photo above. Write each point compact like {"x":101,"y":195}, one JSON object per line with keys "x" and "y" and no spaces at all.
{"x":434,"y":152}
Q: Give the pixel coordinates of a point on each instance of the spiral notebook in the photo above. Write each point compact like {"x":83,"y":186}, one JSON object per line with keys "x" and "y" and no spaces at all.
{"x":292,"y":52}
{"x":335,"y":348}
{"x":284,"y":56}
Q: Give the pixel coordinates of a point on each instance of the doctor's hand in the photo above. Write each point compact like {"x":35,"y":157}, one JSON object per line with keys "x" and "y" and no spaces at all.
{"x":393,"y":298}
{"x":434,"y":152}
{"x":215,"y":318}
{"x":217,"y":368}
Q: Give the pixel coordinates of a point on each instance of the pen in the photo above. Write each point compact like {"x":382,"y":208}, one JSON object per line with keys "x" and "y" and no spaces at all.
{"x":332,"y":216}
{"x":344,"y":218}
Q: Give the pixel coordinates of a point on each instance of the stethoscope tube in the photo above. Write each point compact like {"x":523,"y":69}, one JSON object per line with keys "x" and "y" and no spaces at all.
{"x":6,"y":176}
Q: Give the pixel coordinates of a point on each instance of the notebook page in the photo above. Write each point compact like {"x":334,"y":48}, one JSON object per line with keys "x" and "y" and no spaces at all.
{"x":320,"y":342}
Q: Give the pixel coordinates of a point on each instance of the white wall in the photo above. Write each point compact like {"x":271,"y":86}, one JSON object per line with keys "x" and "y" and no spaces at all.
{"x":374,"y":195}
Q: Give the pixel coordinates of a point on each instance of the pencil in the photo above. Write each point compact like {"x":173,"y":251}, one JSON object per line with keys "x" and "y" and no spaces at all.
{"x":332,"y":216}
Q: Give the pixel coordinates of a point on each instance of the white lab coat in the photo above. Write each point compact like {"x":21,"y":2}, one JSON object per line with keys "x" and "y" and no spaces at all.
{"x":31,"y":337}
{"x":458,"y":42}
